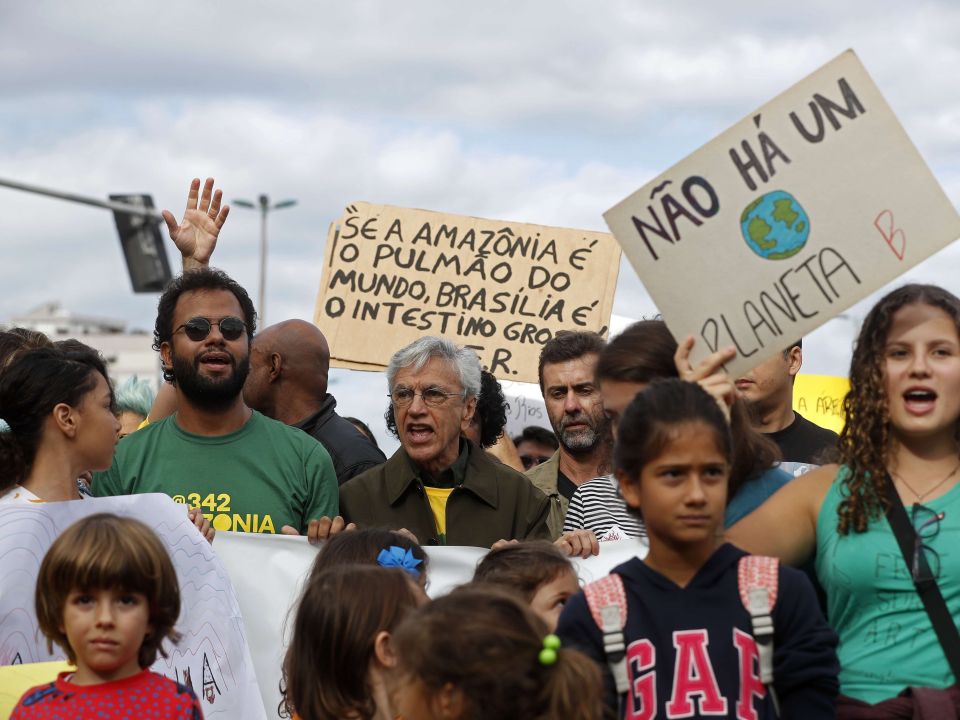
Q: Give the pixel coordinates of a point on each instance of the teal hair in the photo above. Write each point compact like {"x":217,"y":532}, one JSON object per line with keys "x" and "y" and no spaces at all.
{"x":134,"y":395}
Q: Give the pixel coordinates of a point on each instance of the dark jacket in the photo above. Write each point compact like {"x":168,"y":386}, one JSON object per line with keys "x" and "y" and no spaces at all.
{"x":544,"y":478}
{"x":351,"y":450}
{"x":709,"y":608}
{"x":494,"y":502}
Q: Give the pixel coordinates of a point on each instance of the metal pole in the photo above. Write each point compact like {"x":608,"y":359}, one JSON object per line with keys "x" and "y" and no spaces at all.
{"x":109,"y":205}
{"x":264,"y":209}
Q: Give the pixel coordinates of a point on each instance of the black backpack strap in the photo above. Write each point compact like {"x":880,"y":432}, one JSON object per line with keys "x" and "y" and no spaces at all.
{"x":927,"y":587}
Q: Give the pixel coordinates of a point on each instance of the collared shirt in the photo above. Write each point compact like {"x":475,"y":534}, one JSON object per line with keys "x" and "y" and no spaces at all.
{"x":452,"y":477}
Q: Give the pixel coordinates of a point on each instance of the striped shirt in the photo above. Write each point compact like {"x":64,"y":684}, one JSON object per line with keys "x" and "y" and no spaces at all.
{"x":597,"y":505}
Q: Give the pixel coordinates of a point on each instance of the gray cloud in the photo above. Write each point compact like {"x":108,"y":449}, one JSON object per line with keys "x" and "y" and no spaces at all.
{"x":538,"y":112}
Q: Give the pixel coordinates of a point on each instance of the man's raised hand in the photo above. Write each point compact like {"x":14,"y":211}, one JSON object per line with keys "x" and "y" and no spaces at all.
{"x":196,"y":234}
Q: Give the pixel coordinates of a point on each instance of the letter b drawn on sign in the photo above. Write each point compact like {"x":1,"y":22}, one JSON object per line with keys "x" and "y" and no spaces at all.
{"x":896,"y":238}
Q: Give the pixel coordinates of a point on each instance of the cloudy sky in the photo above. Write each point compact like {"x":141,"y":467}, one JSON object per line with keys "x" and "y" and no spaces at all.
{"x":543,"y":112}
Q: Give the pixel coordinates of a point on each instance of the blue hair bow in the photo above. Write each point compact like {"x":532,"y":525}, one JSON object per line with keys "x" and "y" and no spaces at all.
{"x":397,"y":557}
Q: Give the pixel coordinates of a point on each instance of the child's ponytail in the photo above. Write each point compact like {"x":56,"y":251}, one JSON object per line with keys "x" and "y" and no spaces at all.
{"x":572,"y":688}
{"x":490,"y":647}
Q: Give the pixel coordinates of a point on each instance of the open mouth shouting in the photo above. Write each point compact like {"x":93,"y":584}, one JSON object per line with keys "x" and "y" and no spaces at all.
{"x":419,"y":433}
{"x":919,"y":400}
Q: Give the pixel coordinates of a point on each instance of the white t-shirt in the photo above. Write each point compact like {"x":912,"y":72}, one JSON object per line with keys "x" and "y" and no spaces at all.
{"x":18,"y":494}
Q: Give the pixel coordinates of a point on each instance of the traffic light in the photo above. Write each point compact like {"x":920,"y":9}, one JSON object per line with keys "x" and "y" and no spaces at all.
{"x":142,"y":246}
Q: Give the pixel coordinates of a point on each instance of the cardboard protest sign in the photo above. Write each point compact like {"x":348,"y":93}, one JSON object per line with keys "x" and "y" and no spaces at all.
{"x":786,"y":219}
{"x":819,"y":398}
{"x":392,"y":275}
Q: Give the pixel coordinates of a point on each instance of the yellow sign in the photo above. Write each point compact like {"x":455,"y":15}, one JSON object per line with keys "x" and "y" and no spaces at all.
{"x":819,"y":398}
{"x":15,"y":680}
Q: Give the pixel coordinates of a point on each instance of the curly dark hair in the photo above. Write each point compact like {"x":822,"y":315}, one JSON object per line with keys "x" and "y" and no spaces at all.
{"x":865,"y":438}
{"x":490,"y":414}
{"x":199,"y":279}
{"x":492,"y":409}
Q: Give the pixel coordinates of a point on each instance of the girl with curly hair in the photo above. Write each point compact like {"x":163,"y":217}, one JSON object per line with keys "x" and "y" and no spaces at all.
{"x":902,"y":423}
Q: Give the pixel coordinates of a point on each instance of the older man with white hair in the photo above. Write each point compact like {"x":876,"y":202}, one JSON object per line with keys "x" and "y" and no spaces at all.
{"x":439,"y":485}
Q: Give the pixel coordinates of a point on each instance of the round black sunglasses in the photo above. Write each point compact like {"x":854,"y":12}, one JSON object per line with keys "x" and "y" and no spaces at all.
{"x":231,"y":328}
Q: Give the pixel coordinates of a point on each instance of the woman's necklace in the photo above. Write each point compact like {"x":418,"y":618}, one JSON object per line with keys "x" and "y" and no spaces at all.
{"x":921,"y":496}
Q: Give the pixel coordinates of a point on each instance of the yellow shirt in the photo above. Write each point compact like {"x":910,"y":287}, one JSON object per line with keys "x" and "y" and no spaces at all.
{"x":438,"y":503}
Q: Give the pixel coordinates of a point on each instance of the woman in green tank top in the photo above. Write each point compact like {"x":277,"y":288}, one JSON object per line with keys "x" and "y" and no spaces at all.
{"x":901,"y":419}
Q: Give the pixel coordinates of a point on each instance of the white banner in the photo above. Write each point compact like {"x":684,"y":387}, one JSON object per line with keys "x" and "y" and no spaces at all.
{"x":237,"y":601}
{"x":268,"y":573}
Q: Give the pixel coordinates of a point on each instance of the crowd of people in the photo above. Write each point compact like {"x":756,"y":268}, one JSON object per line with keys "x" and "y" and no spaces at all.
{"x":727,"y":486}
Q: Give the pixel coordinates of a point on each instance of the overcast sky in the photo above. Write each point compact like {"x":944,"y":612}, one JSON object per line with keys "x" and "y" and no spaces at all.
{"x":543,"y":112}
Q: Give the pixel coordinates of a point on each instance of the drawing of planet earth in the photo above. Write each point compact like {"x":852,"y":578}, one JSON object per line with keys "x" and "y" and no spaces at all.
{"x":775,"y":225}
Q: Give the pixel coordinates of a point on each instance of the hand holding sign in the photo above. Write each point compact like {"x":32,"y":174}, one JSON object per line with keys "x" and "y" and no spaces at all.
{"x":709,"y":373}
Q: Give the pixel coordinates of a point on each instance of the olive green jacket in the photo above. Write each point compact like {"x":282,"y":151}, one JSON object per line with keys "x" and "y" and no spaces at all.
{"x":544,"y":478}
{"x":494,"y":502}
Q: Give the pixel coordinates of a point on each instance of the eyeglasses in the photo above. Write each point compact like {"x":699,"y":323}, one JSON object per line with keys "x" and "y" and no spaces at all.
{"x":433,"y":397}
{"x":926,"y":524}
{"x":530,"y":461}
{"x":199,"y":327}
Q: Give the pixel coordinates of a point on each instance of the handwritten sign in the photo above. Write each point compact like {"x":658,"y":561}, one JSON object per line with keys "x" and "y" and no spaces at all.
{"x":786,"y":219}
{"x":819,"y":398}
{"x":212,"y":657}
{"x":392,"y":275}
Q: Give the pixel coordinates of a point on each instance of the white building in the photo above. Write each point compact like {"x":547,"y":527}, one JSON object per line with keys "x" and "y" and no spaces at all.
{"x":126,"y":353}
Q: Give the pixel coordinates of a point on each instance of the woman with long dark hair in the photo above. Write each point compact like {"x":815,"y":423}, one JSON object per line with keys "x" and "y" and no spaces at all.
{"x":899,"y":446}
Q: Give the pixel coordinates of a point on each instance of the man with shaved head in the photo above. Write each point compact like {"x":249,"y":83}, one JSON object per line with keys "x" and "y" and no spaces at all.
{"x":289,"y":362}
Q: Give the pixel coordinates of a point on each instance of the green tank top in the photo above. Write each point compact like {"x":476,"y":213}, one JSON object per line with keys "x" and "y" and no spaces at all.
{"x":886,"y":639}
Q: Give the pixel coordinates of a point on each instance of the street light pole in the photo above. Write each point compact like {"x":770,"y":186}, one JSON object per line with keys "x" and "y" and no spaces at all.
{"x":263,"y":204}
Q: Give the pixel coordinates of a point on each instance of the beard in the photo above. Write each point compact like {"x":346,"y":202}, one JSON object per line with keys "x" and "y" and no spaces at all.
{"x":205,"y":392}
{"x":581,"y":441}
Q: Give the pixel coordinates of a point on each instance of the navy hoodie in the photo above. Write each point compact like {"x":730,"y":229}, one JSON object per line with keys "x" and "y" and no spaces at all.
{"x":690,"y":651}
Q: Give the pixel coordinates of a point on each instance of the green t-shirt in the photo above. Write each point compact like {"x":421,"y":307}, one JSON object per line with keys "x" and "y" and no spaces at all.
{"x":886,"y":639}
{"x":257,"y":479}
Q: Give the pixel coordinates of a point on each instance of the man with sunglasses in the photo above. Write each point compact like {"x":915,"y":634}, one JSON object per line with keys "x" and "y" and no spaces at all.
{"x":439,"y":485}
{"x":245,"y":471}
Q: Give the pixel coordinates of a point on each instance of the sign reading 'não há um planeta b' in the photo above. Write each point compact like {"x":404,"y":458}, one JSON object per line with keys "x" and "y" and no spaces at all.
{"x":786,"y":219}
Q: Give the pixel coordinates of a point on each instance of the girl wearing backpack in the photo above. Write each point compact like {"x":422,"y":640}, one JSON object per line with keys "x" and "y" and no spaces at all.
{"x":672,"y":630}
